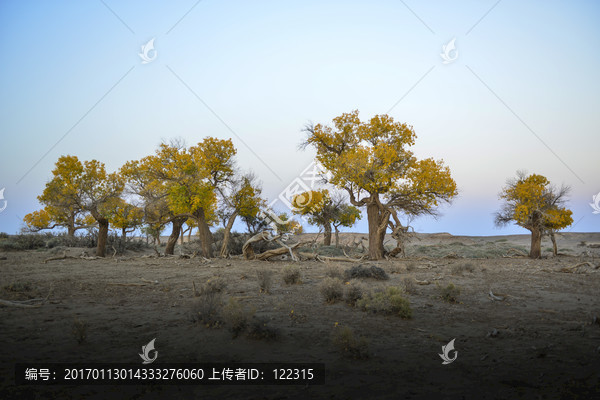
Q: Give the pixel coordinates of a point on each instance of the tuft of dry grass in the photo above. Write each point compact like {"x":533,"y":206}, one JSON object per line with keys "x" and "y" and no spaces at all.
{"x":449,"y":293}
{"x":265,"y":280}
{"x":79,"y":330}
{"x":344,"y":340}
{"x":409,"y":285}
{"x":236,"y":317}
{"x":389,"y":302}
{"x":458,"y":269}
{"x":332,"y":289}
{"x":291,"y":275}
{"x":353,"y":292}
{"x":334,"y":271}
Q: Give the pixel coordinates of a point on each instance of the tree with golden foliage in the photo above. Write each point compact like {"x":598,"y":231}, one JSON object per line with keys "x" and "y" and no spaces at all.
{"x":184,"y":181}
{"x":243,"y":199}
{"x":80,"y":188}
{"x":60,"y":210}
{"x":533,"y":203}
{"x":324,"y":211}
{"x":125,"y":216}
{"x":372,"y":162}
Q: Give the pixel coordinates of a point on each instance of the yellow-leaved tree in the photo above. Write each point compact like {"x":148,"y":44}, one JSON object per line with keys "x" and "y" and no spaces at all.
{"x":60,"y":208}
{"x":533,"y":203}
{"x":125,"y":216}
{"x":81,"y":188}
{"x":372,"y":162}
{"x":325,"y":211}
{"x":183,"y":182}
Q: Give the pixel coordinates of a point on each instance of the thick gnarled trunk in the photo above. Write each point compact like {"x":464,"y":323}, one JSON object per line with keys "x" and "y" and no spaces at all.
{"x":177,"y":224}
{"x":376,"y":235}
{"x":204,"y":234}
{"x":327,"y":234}
{"x":536,"y":243}
{"x":102,"y":237}
{"x":227,"y":235}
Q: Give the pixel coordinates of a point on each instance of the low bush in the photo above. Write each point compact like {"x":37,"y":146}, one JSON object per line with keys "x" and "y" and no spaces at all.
{"x":449,"y":293}
{"x":265,"y":280}
{"x":291,"y":275}
{"x":409,"y":285}
{"x":344,"y":340}
{"x":364,"y":271}
{"x":353,"y":292}
{"x":259,"y":329}
{"x":332,"y":289}
{"x":389,"y":301}
{"x":236,"y":317}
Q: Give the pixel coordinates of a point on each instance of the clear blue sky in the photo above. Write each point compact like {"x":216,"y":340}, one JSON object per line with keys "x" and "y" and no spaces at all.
{"x":72,"y":82}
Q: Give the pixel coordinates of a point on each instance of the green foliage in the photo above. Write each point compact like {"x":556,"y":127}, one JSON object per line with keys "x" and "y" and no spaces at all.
{"x":389,"y":301}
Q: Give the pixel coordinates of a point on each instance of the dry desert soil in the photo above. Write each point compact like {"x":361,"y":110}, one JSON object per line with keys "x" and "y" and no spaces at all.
{"x":538,"y":339}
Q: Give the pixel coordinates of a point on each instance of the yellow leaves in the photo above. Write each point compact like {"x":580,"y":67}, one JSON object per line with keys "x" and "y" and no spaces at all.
{"x":38,"y":220}
{"x":530,"y":198}
{"x":310,"y":202}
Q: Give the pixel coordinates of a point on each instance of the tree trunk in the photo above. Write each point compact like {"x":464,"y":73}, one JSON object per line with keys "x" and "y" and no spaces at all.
{"x":554,"y":247}
{"x":536,"y":243}
{"x":123,"y":238}
{"x":177,"y":223}
{"x":327,"y":234}
{"x":71,"y":226}
{"x":102,"y":237}
{"x":181,"y":234}
{"x":226,"y":235}
{"x":337,"y":236}
{"x":375,"y":236}
{"x":204,"y":234}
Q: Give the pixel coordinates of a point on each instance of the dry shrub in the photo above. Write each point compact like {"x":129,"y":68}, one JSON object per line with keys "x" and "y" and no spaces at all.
{"x":411,"y":267}
{"x":409,"y":285}
{"x":265,"y":280}
{"x":458,"y":269}
{"x":353,"y":292}
{"x":291,"y":275}
{"x":389,"y":301}
{"x":207,"y":308}
{"x":216,"y":284}
{"x":259,"y":329}
{"x":332,"y":289}
{"x":79,"y":330}
{"x":364,"y":271}
{"x":449,"y":293}
{"x":334,"y":271}
{"x":343,"y":338}
{"x":236,"y":317}
{"x":19,"y":287}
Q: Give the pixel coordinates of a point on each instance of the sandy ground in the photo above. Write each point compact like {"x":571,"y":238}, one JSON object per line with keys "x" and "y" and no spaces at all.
{"x":541,"y":341}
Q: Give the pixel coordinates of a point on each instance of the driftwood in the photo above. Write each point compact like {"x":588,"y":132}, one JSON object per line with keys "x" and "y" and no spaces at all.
{"x":248,"y":250}
{"x":317,"y":257}
{"x":493,"y":297}
{"x":64,"y":256}
{"x":580,"y":268}
{"x":24,"y":303}
{"x":418,"y":282}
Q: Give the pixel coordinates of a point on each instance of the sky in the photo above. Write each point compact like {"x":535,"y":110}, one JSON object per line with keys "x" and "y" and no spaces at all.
{"x":520,"y":91}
